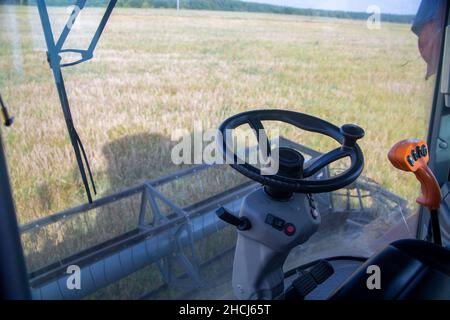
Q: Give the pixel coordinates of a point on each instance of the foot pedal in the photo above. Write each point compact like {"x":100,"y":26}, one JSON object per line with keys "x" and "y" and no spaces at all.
{"x":304,"y":284}
{"x":308,"y":280}
{"x":322,"y":271}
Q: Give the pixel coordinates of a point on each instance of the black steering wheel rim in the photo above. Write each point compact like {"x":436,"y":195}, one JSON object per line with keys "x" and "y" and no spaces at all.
{"x":349,"y":148}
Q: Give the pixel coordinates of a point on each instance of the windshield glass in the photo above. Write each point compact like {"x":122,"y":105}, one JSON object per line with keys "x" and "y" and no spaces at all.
{"x":161,"y":77}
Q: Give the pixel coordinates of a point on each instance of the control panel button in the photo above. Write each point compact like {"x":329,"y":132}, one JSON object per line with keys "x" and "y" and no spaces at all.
{"x":289,"y":229}
{"x":410,"y":160}
{"x":275,"y":222}
{"x":424,"y":150}
{"x":414,"y":155}
{"x":419,"y":151}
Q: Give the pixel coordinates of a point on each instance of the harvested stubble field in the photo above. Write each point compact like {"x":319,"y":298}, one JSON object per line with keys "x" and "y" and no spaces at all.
{"x":158,"y":70}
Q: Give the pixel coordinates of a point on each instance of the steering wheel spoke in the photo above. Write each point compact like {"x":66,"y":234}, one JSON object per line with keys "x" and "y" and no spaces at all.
{"x":324,"y":160}
{"x":261,"y":137}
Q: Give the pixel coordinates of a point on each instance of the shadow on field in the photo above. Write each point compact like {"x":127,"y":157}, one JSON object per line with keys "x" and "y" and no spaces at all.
{"x":129,"y":161}
{"x":135,"y":158}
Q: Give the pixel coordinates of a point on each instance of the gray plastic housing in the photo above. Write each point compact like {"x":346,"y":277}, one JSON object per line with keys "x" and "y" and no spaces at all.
{"x":262,"y":250}
{"x":445,"y":75}
{"x":444,"y":215}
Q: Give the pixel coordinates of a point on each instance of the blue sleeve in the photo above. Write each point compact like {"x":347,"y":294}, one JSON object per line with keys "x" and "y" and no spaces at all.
{"x":427,"y":11}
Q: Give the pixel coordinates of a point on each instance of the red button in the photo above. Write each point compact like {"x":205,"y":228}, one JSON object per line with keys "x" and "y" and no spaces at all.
{"x":289,"y":229}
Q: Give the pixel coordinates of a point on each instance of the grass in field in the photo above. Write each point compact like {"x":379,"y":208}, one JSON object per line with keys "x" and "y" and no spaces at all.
{"x":155,"y":71}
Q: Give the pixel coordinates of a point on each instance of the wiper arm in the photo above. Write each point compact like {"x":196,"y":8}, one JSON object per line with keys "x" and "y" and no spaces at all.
{"x":54,"y":49}
{"x":7,"y":119}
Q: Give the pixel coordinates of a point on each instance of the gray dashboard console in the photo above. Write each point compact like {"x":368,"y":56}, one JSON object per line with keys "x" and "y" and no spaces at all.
{"x":276,"y":228}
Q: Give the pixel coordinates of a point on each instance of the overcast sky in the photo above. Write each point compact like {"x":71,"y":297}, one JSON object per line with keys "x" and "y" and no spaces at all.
{"x":386,"y":6}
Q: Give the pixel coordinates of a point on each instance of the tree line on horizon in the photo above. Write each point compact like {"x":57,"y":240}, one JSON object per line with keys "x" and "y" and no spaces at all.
{"x":226,"y":5}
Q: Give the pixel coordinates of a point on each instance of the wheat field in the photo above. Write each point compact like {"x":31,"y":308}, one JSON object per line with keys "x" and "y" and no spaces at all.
{"x":155,"y":71}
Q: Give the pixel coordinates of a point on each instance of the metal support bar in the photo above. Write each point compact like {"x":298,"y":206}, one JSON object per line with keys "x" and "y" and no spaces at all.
{"x":79,"y":5}
{"x":40,"y":223}
{"x":88,"y":53}
{"x":13,"y":273}
{"x":143,"y":209}
{"x":100,"y":273}
{"x":55,"y":60}
{"x":101,"y":266}
{"x":53,"y":55}
{"x":150,"y":194}
{"x":102,"y":25}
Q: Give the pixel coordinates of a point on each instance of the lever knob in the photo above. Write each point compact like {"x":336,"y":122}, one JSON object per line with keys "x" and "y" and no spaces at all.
{"x":412,"y":155}
{"x":241,"y":223}
{"x":351,"y":133}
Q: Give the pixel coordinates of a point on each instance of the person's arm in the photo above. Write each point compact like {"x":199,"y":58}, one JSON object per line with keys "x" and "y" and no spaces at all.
{"x":428,"y":25}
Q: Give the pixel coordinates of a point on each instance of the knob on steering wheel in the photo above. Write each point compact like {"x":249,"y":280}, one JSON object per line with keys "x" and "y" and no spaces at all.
{"x":291,"y":174}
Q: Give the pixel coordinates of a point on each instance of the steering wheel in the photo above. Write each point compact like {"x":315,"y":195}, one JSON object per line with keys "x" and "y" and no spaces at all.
{"x":291,"y":176}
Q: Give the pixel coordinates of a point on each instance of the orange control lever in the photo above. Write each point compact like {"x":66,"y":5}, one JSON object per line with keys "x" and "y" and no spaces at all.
{"x":412,"y":155}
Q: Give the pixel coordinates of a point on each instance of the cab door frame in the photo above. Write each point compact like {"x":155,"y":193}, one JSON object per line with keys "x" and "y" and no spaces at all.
{"x":439,"y":129}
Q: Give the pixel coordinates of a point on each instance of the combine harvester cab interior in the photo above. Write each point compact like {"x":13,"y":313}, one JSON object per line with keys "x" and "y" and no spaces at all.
{"x":314,"y":229}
